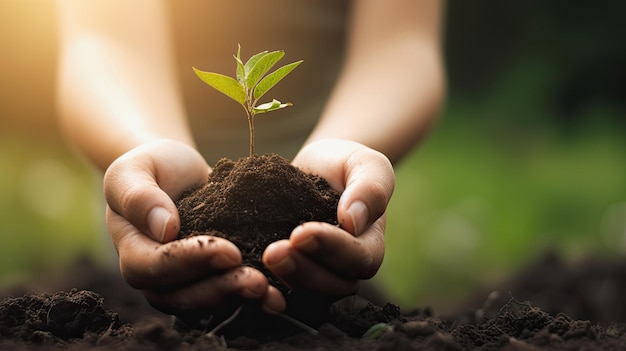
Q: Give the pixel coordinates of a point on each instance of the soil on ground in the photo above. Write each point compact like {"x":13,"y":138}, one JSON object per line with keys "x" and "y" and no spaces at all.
{"x":93,"y":309}
{"x":552,"y":305}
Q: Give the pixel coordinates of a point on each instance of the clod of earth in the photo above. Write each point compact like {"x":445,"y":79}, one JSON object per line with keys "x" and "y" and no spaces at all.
{"x":254,"y":202}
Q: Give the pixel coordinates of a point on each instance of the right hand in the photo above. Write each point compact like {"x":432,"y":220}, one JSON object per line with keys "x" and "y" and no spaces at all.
{"x":175,"y":276}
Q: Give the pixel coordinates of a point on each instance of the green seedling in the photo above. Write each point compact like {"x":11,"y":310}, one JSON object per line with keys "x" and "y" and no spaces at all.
{"x":377,"y":330}
{"x":251,"y":83}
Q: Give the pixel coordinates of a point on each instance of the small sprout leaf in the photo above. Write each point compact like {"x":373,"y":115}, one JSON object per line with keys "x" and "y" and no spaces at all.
{"x":377,"y":330}
{"x":261,"y":67}
{"x":224,"y":84}
{"x":271,"y":106}
{"x":253,"y":60}
{"x":273,"y":78}
{"x":241,"y":71}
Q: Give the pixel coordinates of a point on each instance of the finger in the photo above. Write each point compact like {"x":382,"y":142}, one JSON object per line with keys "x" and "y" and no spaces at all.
{"x":299,"y":272}
{"x":370,"y":181}
{"x":242,"y":282}
{"x":145,"y":263}
{"x":274,"y":301}
{"x":346,"y":255}
{"x":141,"y":184}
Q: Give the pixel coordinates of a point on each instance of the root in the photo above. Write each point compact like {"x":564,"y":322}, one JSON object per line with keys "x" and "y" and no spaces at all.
{"x":107,"y":333}
{"x":480,"y":313}
{"x":225,"y":322}
{"x":299,"y":324}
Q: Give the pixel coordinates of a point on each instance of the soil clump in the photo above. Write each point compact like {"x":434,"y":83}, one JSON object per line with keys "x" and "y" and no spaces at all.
{"x":254,"y":202}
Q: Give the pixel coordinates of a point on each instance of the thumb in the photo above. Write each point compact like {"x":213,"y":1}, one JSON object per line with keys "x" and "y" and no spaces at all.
{"x":370,"y":182}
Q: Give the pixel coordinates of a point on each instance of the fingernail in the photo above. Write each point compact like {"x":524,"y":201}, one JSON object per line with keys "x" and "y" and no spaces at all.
{"x":250,"y":294}
{"x":360,"y":216}
{"x":158,"y":219}
{"x":272,"y":309}
{"x":283,"y":265}
{"x":307,"y":244}
{"x":222,"y":261}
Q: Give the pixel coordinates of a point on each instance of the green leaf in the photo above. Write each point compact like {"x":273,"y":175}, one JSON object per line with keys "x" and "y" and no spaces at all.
{"x":224,"y":84}
{"x":241,"y":71}
{"x":270,"y":106}
{"x":261,"y":67}
{"x":273,"y":78}
{"x":253,"y":60}
{"x":378,"y":329}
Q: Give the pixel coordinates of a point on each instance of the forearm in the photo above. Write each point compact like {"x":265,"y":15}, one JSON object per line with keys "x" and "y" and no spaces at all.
{"x":111,"y":98}
{"x":391,"y":109}
{"x":391,"y":89}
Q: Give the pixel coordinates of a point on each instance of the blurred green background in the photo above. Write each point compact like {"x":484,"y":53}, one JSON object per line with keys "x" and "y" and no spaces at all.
{"x":529,"y":154}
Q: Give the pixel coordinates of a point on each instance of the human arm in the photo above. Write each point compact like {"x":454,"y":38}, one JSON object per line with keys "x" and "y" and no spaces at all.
{"x":117,"y":87}
{"x":388,"y":94}
{"x":120,"y":104}
{"x":391,"y":87}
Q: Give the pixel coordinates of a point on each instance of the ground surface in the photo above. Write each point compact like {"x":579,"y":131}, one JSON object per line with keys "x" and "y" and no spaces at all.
{"x":570,"y":306}
{"x":105,"y":314}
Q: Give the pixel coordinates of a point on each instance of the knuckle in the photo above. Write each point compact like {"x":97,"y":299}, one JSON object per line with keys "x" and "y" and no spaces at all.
{"x":380,"y":192}
{"x":130,"y":198}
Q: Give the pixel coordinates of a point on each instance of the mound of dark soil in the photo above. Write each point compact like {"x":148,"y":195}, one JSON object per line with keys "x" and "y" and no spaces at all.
{"x":254,"y":202}
{"x":590,"y":288}
{"x":61,"y":315}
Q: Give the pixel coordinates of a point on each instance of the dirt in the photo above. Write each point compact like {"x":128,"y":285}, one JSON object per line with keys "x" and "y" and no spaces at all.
{"x":588,"y":289}
{"x":94,"y":309}
{"x":254,"y":202}
{"x":552,"y":305}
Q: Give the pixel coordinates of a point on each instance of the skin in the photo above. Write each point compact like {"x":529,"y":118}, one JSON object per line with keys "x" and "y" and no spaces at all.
{"x":149,"y":156}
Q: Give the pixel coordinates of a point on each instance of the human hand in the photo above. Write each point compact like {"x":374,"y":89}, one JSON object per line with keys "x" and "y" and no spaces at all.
{"x":175,"y":276}
{"x":327,"y":259}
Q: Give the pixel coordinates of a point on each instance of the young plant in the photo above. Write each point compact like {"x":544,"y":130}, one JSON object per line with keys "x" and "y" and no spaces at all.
{"x":252,"y":82}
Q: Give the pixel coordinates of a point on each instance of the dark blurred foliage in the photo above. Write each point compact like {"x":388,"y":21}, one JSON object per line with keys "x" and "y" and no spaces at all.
{"x":579,"y":46}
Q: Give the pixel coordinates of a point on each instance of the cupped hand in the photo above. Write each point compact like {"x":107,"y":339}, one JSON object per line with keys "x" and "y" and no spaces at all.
{"x":327,"y":259}
{"x":201,"y":272}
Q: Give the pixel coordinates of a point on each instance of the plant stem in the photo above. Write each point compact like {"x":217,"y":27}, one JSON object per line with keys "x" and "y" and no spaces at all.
{"x":251,"y":127}
{"x":250,"y":113}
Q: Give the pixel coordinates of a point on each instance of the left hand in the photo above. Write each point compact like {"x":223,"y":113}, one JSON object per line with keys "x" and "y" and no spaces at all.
{"x":327,"y":259}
